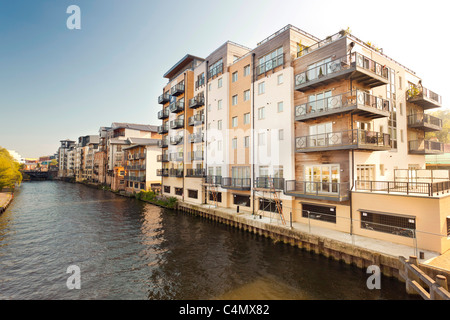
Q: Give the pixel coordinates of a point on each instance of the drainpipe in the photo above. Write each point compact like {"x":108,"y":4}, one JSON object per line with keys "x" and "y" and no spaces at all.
{"x":253,"y":132}
{"x":184,"y":140}
{"x":206,"y":131}
{"x":353,"y":172}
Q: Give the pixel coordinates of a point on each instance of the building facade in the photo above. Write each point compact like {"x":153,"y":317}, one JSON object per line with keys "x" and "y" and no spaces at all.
{"x":329,"y":132}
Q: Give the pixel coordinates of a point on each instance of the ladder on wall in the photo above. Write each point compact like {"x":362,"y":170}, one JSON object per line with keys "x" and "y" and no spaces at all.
{"x":277,"y":200}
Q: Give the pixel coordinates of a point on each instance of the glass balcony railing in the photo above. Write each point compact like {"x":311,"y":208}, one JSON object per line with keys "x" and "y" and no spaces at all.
{"x":177,"y":106}
{"x":368,"y":104}
{"x":325,"y":190}
{"x":163,"y":114}
{"x":216,"y":180}
{"x":177,"y":123}
{"x":177,"y":89}
{"x":164,"y":98}
{"x":342,"y":140}
{"x":356,"y":65}
{"x":424,"y":122}
{"x":236,"y":183}
{"x":269,"y":65}
{"x":164,"y":128}
{"x":425,"y":147}
{"x":269,"y":183}
{"x":197,"y":173}
{"x":423,"y":97}
{"x":197,"y":102}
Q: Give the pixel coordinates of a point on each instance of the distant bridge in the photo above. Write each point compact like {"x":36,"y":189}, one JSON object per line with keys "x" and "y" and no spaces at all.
{"x":36,"y":175}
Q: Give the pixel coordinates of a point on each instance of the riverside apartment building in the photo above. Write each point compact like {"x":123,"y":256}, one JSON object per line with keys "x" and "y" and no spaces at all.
{"x":327,"y":132}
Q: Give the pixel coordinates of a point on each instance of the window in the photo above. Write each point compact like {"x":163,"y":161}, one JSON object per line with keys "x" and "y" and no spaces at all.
{"x":215,"y":196}
{"x":269,"y":205}
{"x":280,"y":106}
{"x":261,"y":113}
{"x":322,"y":178}
{"x":209,"y":107}
{"x":246,"y":95}
{"x":219,"y":105}
{"x":209,"y":87}
{"x":261,"y":139}
{"x":270,"y":61}
{"x":234,"y":122}
{"x":241,"y":200}
{"x":234,"y":100}
{"x":219,"y":145}
{"x":401,"y":135}
{"x":193,"y":194}
{"x":280,"y":134}
{"x":261,"y":87}
{"x":246,"y":70}
{"x":219,"y":83}
{"x":219,"y":125}
{"x":179,"y":191}
{"x":246,"y":141}
{"x":215,"y":68}
{"x":246,"y":118}
{"x":234,"y":76}
{"x":322,"y":213}
{"x":280,"y":79}
{"x":389,"y":223}
{"x":263,"y":171}
{"x":234,"y":143}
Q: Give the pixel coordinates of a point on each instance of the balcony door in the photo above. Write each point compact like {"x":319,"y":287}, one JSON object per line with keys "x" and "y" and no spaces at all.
{"x":364,"y":174}
{"x":318,"y":134}
{"x":322,"y":178}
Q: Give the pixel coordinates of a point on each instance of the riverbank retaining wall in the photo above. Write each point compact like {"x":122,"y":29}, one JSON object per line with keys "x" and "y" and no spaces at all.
{"x":5,"y":200}
{"x":361,"y":257}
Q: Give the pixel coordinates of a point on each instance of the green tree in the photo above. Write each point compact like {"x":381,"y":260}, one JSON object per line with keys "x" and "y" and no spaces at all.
{"x":9,"y":170}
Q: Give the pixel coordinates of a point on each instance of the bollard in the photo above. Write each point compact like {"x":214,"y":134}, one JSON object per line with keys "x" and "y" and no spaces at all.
{"x":237,"y":209}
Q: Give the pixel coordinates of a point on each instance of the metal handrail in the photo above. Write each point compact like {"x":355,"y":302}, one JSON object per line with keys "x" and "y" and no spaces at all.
{"x":355,"y":97}
{"x":419,"y":118}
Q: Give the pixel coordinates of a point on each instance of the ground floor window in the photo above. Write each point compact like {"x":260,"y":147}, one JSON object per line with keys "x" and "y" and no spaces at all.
{"x":388,"y":223}
{"x":166,"y":189}
{"x":215,"y":196}
{"x":269,"y":205}
{"x":193,"y":194}
{"x":241,"y":200}
{"x":179,"y":191}
{"x":142,"y":186}
{"x":316,"y":212}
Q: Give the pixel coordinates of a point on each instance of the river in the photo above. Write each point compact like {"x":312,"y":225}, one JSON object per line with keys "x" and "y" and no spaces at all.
{"x":128,"y":249}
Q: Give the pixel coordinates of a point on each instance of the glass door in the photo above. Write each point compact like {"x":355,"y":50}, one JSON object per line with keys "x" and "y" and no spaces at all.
{"x":322,"y":178}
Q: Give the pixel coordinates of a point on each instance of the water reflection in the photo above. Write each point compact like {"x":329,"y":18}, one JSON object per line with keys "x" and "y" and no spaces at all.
{"x":127,"y":249}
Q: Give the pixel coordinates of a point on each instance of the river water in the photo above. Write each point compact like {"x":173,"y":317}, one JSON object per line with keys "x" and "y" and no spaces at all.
{"x":128,"y":249}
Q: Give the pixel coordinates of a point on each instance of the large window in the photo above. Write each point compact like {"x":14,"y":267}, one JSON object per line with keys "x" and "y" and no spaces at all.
{"x":322,"y":178}
{"x":215,"y":68}
{"x":269,"y":205}
{"x":240,"y":172}
{"x":322,"y":213}
{"x":270,"y":61}
{"x":241,"y":200}
{"x":388,"y":223}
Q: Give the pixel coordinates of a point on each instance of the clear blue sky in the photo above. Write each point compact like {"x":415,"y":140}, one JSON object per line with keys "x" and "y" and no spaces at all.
{"x":57,"y":83}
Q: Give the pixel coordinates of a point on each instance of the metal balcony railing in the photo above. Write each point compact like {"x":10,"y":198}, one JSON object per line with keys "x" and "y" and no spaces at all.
{"x":164,"y":128}
{"x":163,"y":114}
{"x":269,"y":183}
{"x":177,"y":123}
{"x":350,"y":139}
{"x":343,"y":102}
{"x":425,"y":147}
{"x":403,"y":187}
{"x":178,"y":173}
{"x":215,"y":180}
{"x":236,"y":183}
{"x":269,"y":65}
{"x":423,"y":120}
{"x":215,"y":71}
{"x":337,"y":191}
{"x":162,"y":172}
{"x":197,"y":173}
{"x":177,"y":89}
{"x":418,"y":92}
{"x":196,"y":102}
{"x":177,"y":106}
{"x":164,"y":98}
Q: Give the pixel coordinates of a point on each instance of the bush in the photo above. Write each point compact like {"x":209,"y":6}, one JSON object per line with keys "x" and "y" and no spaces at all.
{"x":150,"y":196}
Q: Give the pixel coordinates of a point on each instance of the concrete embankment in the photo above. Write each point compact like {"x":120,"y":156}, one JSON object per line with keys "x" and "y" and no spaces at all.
{"x":5,"y":200}
{"x":361,"y":256}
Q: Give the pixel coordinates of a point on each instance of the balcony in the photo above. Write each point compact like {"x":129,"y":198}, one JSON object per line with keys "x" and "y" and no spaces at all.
{"x":163,"y":143}
{"x":354,"y":66}
{"x":177,"y":89}
{"x":270,"y":65}
{"x":135,"y":178}
{"x":269,"y":183}
{"x":358,"y":102}
{"x":196,"y":137}
{"x":344,"y":140}
{"x":425,"y":147}
{"x":164,"y":128}
{"x":196,"y":120}
{"x":177,"y":106}
{"x":177,"y":124}
{"x":213,"y":180}
{"x":176,"y":140}
{"x":323,"y":190}
{"x":236,"y":183}
{"x":164,"y":98}
{"x":197,"y":155}
{"x":424,"y":122}
{"x":177,"y":173}
{"x":218,"y":69}
{"x":163,"y":114}
{"x":162,"y":172}
{"x":423,"y":97}
{"x":162,"y":158}
{"x":197,"y":102}
{"x":195,"y":173}
{"x":404,"y":187}
{"x":176,"y":156}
